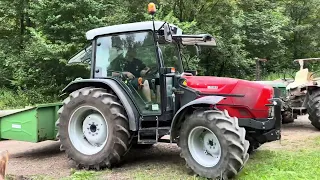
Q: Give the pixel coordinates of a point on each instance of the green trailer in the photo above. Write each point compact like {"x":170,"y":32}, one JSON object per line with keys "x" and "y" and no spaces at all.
{"x":31,"y":124}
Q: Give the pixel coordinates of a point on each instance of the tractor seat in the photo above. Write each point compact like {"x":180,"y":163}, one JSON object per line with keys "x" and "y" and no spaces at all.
{"x":302,"y":77}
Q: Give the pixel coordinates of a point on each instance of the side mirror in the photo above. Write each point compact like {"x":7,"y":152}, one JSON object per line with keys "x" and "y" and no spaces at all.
{"x":193,"y":72}
{"x":167,"y":33}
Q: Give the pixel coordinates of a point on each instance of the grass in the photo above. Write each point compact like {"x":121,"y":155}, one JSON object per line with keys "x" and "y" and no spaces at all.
{"x":83,"y":175}
{"x":284,"y":165}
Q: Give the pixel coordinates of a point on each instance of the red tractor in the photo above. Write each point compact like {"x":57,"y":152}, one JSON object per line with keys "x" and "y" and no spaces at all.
{"x":138,"y":93}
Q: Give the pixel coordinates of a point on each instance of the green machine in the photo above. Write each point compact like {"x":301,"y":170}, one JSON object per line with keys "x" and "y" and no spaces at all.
{"x":31,"y":124}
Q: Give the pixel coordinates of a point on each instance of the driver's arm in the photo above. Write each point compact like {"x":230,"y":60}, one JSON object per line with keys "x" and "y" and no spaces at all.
{"x":115,"y":74}
{"x":144,"y":71}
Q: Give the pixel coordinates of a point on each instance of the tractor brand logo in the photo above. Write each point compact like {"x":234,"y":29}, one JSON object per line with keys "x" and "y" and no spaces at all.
{"x":212,"y":87}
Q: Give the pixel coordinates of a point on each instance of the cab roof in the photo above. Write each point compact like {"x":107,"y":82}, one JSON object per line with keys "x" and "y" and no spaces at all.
{"x":129,"y":27}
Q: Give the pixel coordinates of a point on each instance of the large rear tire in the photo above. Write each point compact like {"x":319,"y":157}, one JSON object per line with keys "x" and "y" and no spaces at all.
{"x":93,"y":128}
{"x":313,"y":107}
{"x":223,"y":151}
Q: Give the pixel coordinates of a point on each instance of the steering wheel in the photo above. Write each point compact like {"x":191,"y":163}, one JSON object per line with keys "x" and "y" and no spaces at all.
{"x":152,"y":70}
{"x":313,"y":73}
{"x":122,"y":77}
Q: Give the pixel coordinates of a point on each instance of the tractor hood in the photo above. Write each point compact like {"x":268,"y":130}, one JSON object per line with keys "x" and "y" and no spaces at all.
{"x":256,"y":95}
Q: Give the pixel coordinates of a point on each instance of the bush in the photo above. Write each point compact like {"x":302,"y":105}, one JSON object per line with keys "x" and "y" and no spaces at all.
{"x":11,"y":99}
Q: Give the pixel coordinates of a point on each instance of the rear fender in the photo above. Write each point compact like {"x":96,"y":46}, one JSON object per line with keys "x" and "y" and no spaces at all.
{"x":179,"y":117}
{"x":116,"y":87}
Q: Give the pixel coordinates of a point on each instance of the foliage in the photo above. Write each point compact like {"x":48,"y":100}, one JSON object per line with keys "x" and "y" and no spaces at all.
{"x":21,"y":98}
{"x":38,"y":37}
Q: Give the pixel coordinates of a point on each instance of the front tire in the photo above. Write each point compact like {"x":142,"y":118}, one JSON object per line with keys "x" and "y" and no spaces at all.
{"x":223,"y":151}
{"x":93,"y":128}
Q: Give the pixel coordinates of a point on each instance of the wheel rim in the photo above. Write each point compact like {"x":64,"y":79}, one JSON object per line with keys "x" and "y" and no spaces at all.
{"x":204,"y":146}
{"x":88,"y":130}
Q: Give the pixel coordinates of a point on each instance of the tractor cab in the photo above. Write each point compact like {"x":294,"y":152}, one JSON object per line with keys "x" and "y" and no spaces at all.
{"x":143,"y":56}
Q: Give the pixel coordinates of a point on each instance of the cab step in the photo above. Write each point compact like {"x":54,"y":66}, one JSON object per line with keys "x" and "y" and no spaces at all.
{"x":151,"y":135}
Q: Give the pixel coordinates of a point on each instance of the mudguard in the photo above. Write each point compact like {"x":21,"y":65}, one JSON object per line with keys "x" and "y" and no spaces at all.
{"x":116,"y":87}
{"x":206,"y":100}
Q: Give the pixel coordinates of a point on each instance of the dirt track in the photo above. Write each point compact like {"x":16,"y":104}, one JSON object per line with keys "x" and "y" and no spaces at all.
{"x":46,"y":159}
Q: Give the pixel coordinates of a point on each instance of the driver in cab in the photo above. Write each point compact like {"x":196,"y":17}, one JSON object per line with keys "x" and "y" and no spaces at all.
{"x":133,"y":68}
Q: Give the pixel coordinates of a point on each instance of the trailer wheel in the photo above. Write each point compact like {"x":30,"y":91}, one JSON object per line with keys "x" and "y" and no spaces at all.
{"x":93,"y":128}
{"x":313,"y":107}
{"x":213,"y":144}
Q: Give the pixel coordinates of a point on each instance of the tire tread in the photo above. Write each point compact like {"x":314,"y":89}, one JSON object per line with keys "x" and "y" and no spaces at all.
{"x":121,"y":134}
{"x":313,"y":108}
{"x":236,"y":142}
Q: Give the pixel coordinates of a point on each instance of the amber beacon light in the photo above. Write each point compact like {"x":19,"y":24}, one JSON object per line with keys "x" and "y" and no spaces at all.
{"x":151,"y":8}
